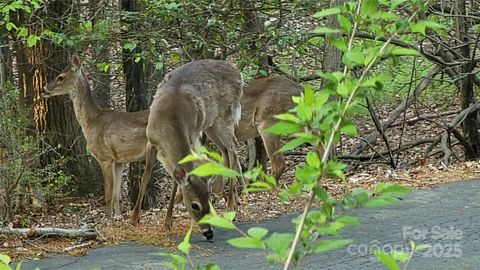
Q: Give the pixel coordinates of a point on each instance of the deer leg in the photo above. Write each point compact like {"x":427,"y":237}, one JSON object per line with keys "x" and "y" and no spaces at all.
{"x":272,"y":144}
{"x":107,"y":185}
{"x":223,"y":137}
{"x":168,"y":218}
{"x":117,"y":169}
{"x":150,"y":159}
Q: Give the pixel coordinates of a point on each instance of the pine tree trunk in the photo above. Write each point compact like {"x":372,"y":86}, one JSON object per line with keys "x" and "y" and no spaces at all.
{"x":136,"y":99}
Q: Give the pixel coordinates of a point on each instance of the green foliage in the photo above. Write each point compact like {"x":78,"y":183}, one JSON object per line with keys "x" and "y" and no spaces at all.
{"x":20,"y":150}
{"x":392,"y":258}
{"x":5,"y":262}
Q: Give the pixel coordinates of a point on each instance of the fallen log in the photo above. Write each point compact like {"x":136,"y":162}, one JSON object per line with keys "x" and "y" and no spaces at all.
{"x":86,"y":232}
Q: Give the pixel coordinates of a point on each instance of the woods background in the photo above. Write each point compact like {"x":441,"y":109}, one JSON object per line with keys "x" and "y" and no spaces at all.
{"x":128,"y":46}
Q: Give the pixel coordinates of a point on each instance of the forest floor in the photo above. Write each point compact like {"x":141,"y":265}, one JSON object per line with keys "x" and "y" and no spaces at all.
{"x":418,"y":173}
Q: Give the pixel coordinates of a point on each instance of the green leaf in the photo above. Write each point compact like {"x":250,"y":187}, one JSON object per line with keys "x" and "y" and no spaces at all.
{"x":5,"y":259}
{"x":386,"y":259}
{"x":369,"y":7}
{"x":189,"y":158}
{"x":22,"y":32}
{"x":211,"y":266}
{"x":327,"y":12}
{"x":19,"y":266}
{"x":279,"y":242}
{"x":349,"y":130}
{"x":246,"y":242}
{"x":259,"y":186}
{"x":304,"y":111}
{"x":320,"y":193}
{"x":348,"y":220}
{"x":287,"y":117}
{"x":421,"y":26}
{"x":392,"y":189}
{"x":308,"y":95}
{"x":257,"y":232}
{"x":405,"y":51}
{"x":325,"y":30}
{"x":130,"y":46}
{"x":291,"y":145}
{"x":345,"y":23}
{"x":313,"y":160}
{"x":422,"y":247}
{"x":339,"y":43}
{"x":380,"y":202}
{"x":184,"y":246}
{"x":400,"y":255}
{"x":284,"y":128}
{"x":327,"y":245}
{"x":32,"y":40}
{"x":395,"y":3}
{"x":210,"y":168}
{"x":321,"y":97}
{"x":217,"y":221}
{"x":342,"y":89}
{"x":353,"y":58}
{"x":230,"y":215}
{"x":9,"y":26}
{"x":307,"y":175}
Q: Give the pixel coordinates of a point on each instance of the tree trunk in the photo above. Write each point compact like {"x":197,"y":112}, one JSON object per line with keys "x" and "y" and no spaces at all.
{"x":469,"y":126}
{"x":5,"y":59}
{"x":332,"y":57}
{"x":100,"y":54}
{"x":136,"y":99}
{"x":255,"y":26}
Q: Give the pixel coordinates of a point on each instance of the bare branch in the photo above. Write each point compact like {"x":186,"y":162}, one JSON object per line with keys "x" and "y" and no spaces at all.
{"x":398,"y":111}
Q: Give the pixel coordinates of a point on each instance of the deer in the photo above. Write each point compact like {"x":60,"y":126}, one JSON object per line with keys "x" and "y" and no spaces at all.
{"x":262,"y":99}
{"x":114,"y":138}
{"x":200,"y":96}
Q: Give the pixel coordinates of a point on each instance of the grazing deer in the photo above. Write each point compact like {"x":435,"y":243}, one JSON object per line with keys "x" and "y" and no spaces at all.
{"x":262,"y":99}
{"x":114,"y":138}
{"x":201,"y":96}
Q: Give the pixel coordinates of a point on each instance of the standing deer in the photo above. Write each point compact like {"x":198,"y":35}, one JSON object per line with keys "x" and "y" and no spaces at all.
{"x":114,"y":138}
{"x":201,"y":96}
{"x":262,"y":99}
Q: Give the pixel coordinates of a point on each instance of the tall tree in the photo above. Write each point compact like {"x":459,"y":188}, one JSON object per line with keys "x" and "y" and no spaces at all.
{"x":258,"y":53}
{"x":101,"y":57}
{"x":136,"y":99}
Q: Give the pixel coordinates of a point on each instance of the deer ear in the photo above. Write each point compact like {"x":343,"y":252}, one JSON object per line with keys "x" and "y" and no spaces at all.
{"x":180,"y":176}
{"x":75,"y":62}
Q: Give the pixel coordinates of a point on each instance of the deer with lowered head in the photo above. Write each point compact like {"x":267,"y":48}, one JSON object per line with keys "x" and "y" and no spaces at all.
{"x":201,"y":96}
{"x":114,"y":138}
{"x":262,"y":99}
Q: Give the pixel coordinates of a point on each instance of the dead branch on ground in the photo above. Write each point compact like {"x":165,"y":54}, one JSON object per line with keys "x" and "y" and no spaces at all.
{"x":86,"y":232}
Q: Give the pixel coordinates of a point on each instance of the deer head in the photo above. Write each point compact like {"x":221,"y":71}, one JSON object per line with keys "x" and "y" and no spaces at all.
{"x":195,"y":197}
{"x":66,"y":81}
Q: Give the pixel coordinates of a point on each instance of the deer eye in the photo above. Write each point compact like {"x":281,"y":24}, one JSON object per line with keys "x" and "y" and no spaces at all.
{"x":60,"y":78}
{"x":195,"y":206}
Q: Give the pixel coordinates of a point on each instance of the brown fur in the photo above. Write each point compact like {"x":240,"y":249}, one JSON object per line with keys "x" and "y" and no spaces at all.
{"x":201,"y":96}
{"x":111,"y":148}
{"x":262,"y":99}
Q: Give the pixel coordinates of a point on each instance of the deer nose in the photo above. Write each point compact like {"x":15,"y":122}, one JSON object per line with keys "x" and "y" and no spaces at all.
{"x":208,"y":233}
